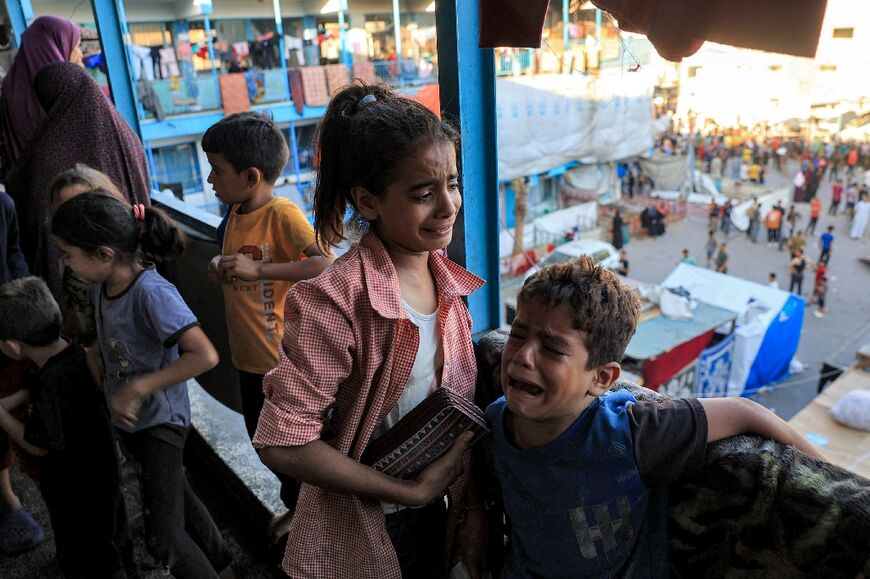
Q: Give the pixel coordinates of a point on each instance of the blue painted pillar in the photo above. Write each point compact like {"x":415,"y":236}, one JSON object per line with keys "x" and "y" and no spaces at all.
{"x":343,"y":55}
{"x":294,"y":154}
{"x":282,"y":49}
{"x":565,"y":8}
{"x":112,"y":26}
{"x":206,"y":23}
{"x":152,"y":168}
{"x":20,"y":14}
{"x":397,"y":30}
{"x":598,"y":30}
{"x":467,"y":86}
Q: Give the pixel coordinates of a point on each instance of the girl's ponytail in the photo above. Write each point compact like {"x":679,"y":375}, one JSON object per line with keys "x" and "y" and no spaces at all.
{"x":95,"y":219}
{"x":160,"y":238}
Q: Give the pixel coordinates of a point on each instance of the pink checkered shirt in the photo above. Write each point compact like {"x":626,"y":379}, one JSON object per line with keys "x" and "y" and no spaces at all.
{"x":347,"y":340}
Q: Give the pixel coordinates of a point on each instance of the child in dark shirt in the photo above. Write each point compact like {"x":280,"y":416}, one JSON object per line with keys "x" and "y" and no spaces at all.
{"x":68,"y":430}
{"x":18,"y":531}
{"x":578,"y":465}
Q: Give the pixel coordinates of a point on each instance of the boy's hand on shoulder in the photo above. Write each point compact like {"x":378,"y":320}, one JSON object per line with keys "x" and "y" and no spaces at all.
{"x":433,"y":481}
{"x":239,"y":267}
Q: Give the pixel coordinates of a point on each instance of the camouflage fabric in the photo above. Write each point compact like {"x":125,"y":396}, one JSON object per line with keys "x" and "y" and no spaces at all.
{"x":757,"y":509}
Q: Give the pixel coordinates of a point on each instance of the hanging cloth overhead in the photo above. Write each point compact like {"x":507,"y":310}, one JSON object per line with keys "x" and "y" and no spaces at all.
{"x":677,"y":28}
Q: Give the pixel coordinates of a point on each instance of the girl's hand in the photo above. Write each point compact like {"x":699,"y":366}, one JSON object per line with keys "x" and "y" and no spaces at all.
{"x":435,"y":478}
{"x":126,"y":402}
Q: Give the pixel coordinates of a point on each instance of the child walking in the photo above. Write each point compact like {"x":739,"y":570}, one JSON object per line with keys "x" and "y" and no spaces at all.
{"x":267,"y":245}
{"x":69,"y":433}
{"x":150,"y":344}
{"x":368,"y":340}
{"x":577,"y":464}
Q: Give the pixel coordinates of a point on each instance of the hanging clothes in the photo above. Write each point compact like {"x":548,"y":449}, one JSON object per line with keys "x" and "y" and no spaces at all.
{"x":294,"y":53}
{"x":155,"y":61}
{"x":241,"y":49}
{"x":141,"y":65}
{"x":168,"y":63}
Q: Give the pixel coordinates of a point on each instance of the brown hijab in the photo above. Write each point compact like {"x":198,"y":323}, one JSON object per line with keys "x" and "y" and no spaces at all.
{"x":81,"y":126}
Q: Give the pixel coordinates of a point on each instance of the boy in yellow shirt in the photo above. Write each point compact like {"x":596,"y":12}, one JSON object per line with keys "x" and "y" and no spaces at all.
{"x":267,"y":244}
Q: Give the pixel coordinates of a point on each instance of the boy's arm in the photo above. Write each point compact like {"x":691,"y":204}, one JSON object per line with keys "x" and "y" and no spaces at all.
{"x":14,"y":400}
{"x":245,"y":268}
{"x":197,"y":355}
{"x":15,"y":429}
{"x":728,"y":417}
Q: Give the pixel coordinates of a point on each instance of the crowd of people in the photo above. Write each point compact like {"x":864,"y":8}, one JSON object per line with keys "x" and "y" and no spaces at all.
{"x":106,"y":345}
{"x":845,"y":166}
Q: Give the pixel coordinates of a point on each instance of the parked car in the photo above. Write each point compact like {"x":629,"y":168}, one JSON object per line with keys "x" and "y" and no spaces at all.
{"x":602,"y":252}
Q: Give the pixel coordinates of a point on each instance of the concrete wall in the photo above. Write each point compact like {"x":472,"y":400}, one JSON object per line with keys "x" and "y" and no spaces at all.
{"x":206,"y":301}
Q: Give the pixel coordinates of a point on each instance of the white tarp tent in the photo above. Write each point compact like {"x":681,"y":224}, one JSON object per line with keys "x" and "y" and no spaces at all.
{"x":768,"y":325}
{"x":546,"y":121}
{"x":553,"y":224}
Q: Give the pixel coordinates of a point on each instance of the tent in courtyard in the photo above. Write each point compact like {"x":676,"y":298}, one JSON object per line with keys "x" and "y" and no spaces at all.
{"x":768,"y":330}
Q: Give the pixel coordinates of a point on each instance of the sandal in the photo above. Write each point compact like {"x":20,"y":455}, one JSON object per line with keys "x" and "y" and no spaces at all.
{"x":19,"y":532}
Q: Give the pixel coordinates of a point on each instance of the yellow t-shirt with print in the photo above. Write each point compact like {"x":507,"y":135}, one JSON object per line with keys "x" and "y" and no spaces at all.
{"x":277,"y":232}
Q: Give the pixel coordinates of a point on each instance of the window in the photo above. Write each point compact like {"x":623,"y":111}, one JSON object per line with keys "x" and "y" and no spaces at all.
{"x":828,"y":67}
{"x":176,"y":167}
{"x":844,"y":32}
{"x":693,"y":71}
{"x":775,"y":67}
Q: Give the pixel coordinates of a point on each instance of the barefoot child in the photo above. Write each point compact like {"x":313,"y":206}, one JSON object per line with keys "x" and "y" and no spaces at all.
{"x":575,"y":462}
{"x":68,"y":430}
{"x":267,"y":245}
{"x":150,"y":344}
{"x":368,"y":340}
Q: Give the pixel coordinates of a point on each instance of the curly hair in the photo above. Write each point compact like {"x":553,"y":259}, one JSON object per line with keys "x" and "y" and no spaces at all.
{"x":604,"y":310}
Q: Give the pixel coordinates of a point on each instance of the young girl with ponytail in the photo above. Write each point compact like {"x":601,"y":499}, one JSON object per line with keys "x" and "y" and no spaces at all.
{"x":150,"y":344}
{"x":368,"y":340}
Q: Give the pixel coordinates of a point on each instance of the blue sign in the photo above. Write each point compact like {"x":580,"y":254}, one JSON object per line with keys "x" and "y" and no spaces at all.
{"x":714,"y":369}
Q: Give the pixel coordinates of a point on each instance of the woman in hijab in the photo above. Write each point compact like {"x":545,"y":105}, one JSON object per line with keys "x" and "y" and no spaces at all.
{"x":81,"y":126}
{"x":48,"y":39}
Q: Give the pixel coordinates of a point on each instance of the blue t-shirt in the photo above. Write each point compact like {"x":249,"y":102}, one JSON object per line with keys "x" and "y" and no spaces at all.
{"x":827,"y":238}
{"x":583,"y":505}
{"x":138,"y":331}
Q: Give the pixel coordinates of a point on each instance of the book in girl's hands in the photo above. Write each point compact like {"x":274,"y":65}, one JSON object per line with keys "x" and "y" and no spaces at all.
{"x":424,"y":434}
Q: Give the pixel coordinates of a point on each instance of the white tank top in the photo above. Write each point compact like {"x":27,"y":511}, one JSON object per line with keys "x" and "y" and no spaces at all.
{"x":424,"y":375}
